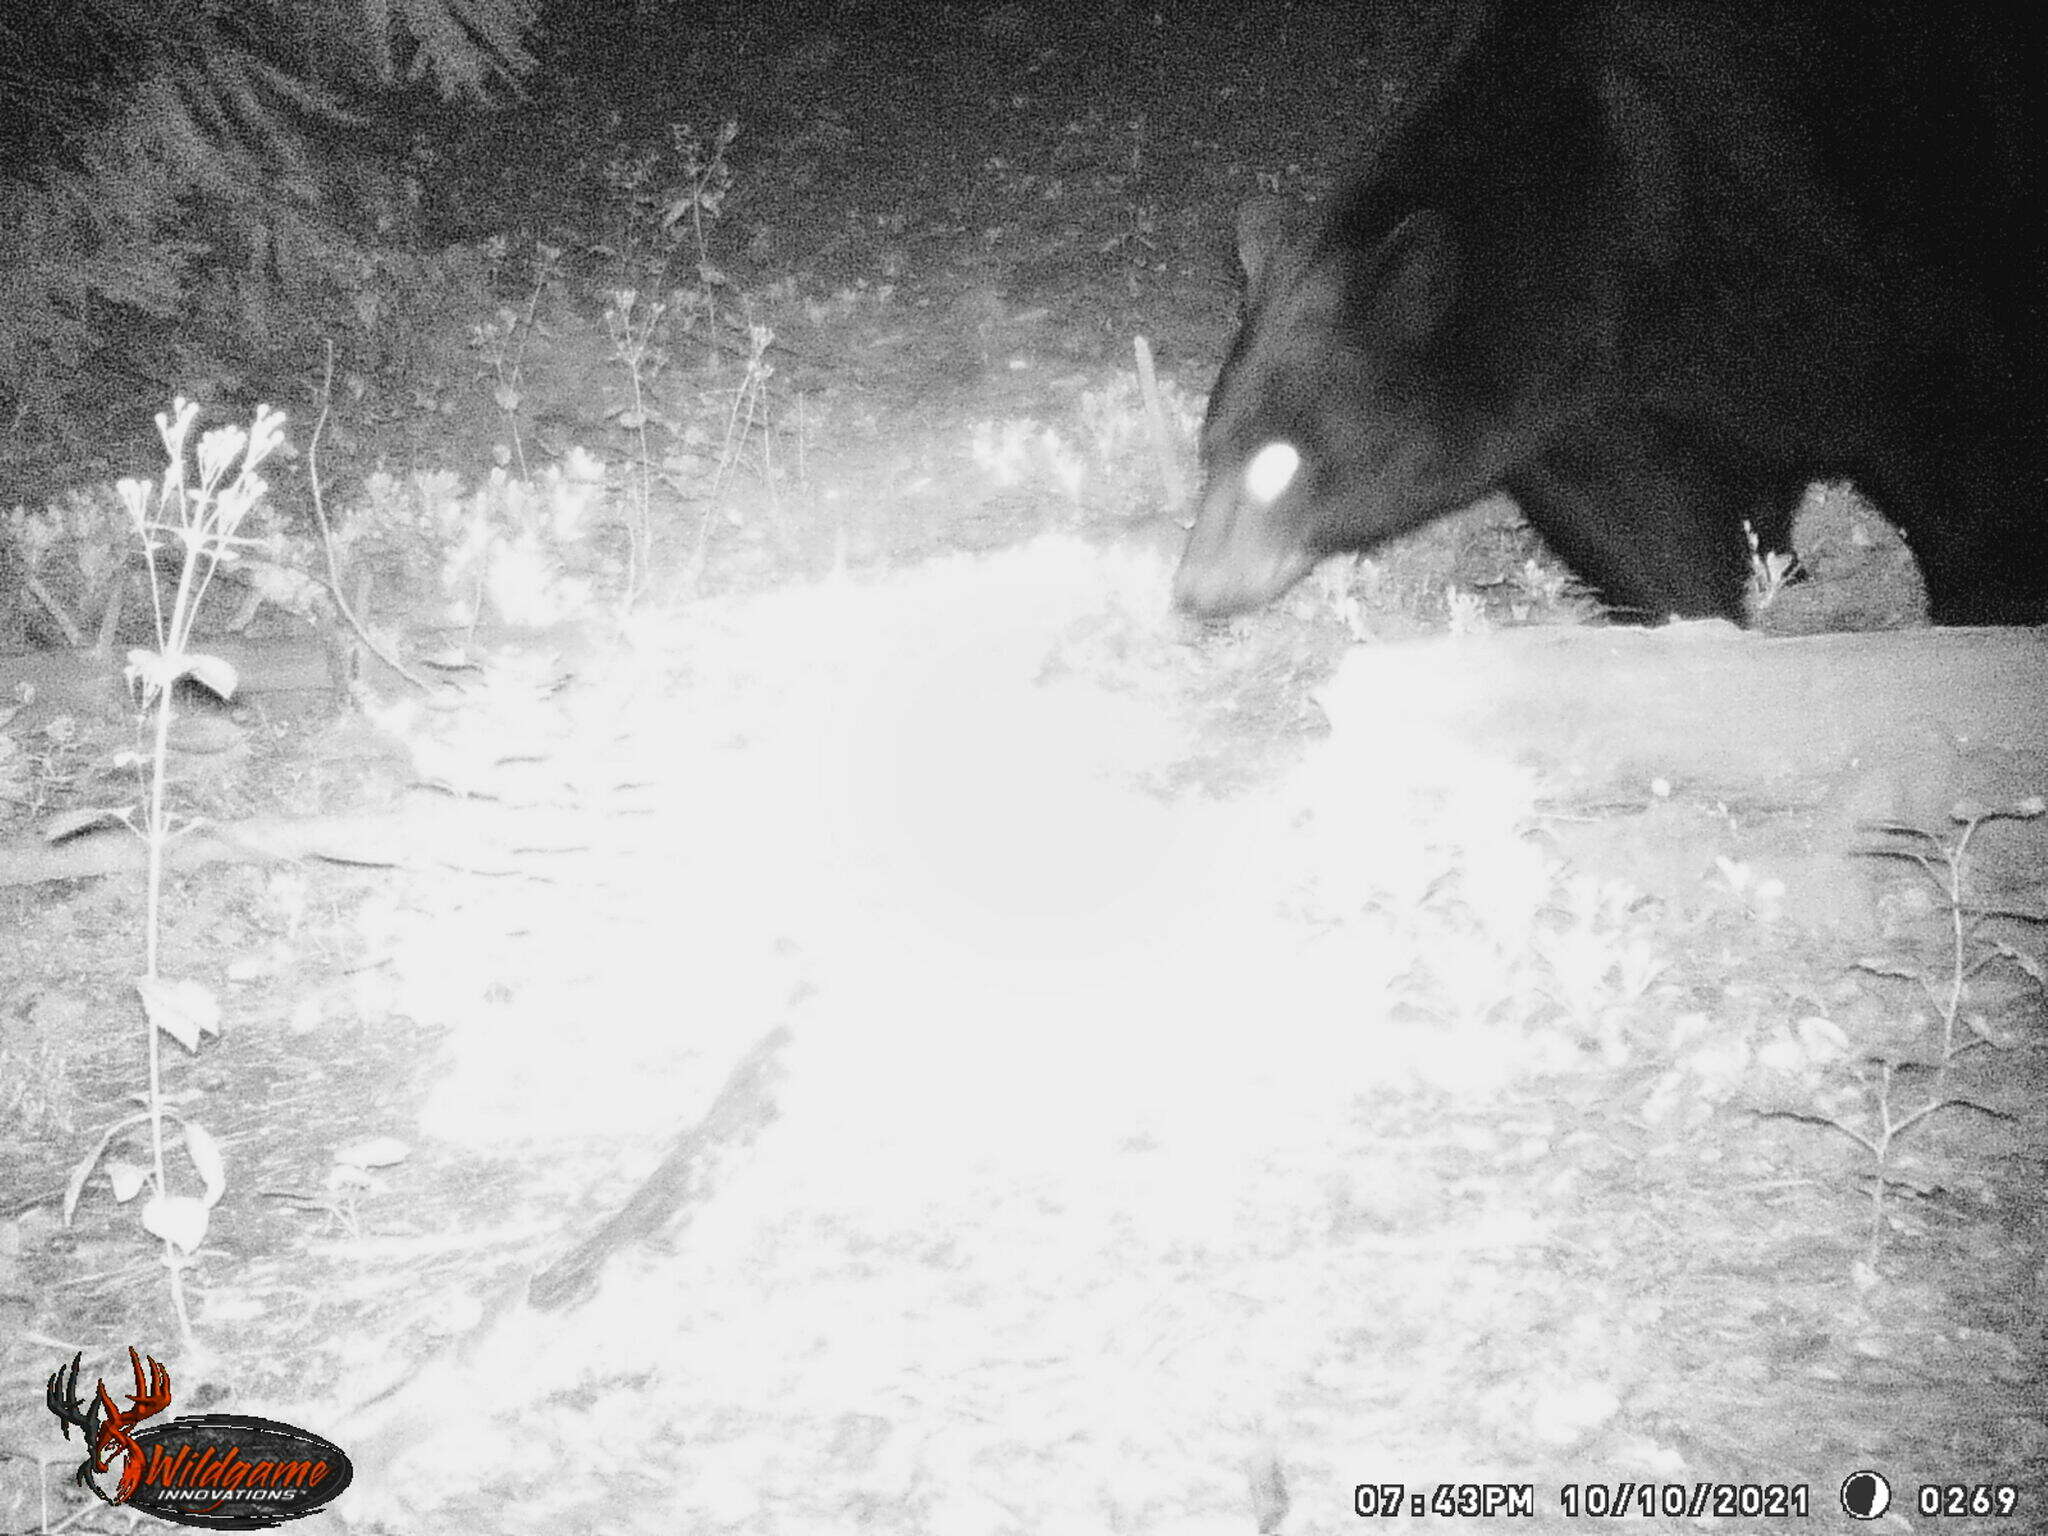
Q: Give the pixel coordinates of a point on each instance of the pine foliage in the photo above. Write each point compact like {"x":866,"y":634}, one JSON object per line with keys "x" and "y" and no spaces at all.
{"x":174,"y":159}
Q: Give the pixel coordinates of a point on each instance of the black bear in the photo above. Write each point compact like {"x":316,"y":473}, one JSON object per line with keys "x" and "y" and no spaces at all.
{"x":1651,"y":268}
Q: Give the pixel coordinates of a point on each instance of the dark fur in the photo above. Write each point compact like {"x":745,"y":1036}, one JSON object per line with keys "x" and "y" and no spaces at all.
{"x":1652,"y":268}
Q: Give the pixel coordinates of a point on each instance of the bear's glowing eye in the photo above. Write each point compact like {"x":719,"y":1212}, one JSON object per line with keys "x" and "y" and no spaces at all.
{"x":1270,"y":472}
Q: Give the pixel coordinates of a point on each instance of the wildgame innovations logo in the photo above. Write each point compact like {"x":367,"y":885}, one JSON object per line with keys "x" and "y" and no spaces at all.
{"x":220,"y":1471}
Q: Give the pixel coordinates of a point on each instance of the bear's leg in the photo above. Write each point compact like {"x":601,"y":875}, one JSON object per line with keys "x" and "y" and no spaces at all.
{"x":1656,"y":530}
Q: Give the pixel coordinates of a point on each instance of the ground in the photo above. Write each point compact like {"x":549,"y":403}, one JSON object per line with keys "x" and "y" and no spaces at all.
{"x":895,"y":1029}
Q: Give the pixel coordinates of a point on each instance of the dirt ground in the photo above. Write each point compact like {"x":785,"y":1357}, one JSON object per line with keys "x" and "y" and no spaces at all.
{"x":899,"y":1031}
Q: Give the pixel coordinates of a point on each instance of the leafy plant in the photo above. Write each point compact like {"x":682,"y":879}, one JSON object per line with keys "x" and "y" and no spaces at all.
{"x":1947,"y":865}
{"x":196,"y":521}
{"x":501,"y":341}
{"x":1769,"y":570}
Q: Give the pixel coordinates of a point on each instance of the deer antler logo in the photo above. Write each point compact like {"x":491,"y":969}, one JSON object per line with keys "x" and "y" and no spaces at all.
{"x":105,"y":1426}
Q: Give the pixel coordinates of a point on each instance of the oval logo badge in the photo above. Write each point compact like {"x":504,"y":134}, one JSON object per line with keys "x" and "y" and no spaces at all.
{"x":219,"y":1471}
{"x":230,"y":1472}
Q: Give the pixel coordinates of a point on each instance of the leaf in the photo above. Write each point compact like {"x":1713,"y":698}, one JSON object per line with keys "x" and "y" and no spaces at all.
{"x":179,"y":1220}
{"x":85,"y":818}
{"x":156,"y":671}
{"x":128,"y":1180}
{"x":2031,"y":964}
{"x":74,"y":1187}
{"x":377,"y":1152}
{"x":206,"y":1157}
{"x":214,"y":674}
{"x":184,"y":1010}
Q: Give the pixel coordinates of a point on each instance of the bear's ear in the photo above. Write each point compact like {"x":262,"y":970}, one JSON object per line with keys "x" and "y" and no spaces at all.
{"x":1415,"y":277}
{"x":1268,"y":228}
